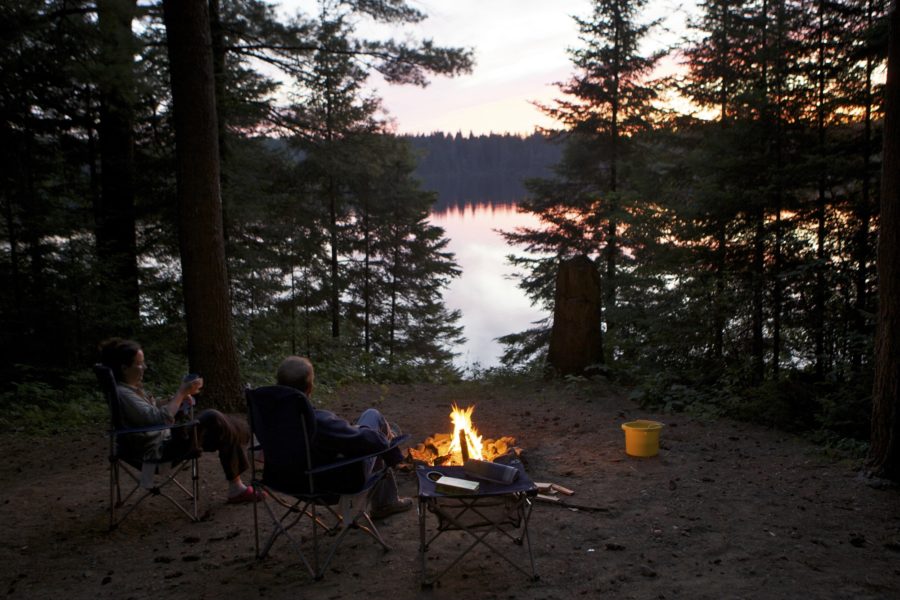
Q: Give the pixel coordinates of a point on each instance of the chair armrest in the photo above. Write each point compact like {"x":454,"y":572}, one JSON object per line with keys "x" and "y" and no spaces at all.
{"x":349,"y":461}
{"x":148,"y":428}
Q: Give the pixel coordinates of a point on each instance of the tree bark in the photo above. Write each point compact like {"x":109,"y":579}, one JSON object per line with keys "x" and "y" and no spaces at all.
{"x":818,"y":312}
{"x":758,"y":282}
{"x":884,"y":453}
{"x":211,"y":347}
{"x":115,"y":212}
{"x":863,"y":216}
{"x":576,"y":339}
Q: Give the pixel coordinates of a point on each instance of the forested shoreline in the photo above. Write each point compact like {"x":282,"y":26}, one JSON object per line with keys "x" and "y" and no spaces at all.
{"x":736,"y":244}
{"x":737,"y":251}
{"x":481,"y":169}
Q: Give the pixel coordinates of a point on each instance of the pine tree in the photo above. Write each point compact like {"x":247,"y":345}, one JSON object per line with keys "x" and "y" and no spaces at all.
{"x":403,"y":267}
{"x":608,"y":101}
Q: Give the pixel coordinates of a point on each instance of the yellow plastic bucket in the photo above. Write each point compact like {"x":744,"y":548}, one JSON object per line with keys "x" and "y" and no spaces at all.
{"x":642,"y":437}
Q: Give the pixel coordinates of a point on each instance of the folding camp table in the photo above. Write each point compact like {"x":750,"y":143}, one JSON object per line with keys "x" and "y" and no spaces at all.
{"x":495,"y":509}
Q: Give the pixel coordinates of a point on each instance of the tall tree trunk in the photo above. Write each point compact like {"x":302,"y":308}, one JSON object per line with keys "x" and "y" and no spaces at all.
{"x":719,"y":300}
{"x":392,"y":319}
{"x":612,"y":225}
{"x":863,"y":216}
{"x":217,"y":33}
{"x":775,"y":274}
{"x":884,"y":453}
{"x":333,"y":236}
{"x":757,"y":351}
{"x":818,"y":315}
{"x":757,"y":282}
{"x":293,"y":309}
{"x":367,"y":275}
{"x":778,"y":123}
{"x":777,"y":292}
{"x":115,"y":215}
{"x":211,"y":347}
{"x":17,"y":319}
{"x":721,"y":233}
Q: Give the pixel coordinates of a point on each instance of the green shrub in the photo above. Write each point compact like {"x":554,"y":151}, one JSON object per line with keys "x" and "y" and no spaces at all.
{"x":75,"y":413}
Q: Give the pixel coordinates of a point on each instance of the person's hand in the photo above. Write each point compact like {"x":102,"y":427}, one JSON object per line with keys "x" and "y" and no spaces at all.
{"x":198,"y":385}
{"x":189,"y":388}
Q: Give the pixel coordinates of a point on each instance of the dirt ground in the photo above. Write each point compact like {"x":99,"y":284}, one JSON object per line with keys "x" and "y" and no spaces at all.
{"x":726,"y":510}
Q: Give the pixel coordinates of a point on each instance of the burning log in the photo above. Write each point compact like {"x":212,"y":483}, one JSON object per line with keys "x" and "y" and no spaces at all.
{"x":443,"y":449}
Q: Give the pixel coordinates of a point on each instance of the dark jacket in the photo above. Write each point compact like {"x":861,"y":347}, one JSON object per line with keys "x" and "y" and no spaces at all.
{"x":336,"y":438}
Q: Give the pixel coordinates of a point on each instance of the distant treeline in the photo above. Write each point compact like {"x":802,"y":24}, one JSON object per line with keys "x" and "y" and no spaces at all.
{"x":481,"y":168}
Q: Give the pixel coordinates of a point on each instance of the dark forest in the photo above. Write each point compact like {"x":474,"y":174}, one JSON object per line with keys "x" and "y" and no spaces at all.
{"x":737,"y":243}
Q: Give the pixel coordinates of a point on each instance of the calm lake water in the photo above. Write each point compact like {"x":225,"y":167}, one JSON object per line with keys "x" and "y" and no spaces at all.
{"x":491,"y":303}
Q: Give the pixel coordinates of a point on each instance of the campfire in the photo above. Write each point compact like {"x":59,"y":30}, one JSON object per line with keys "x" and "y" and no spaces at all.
{"x":445,"y":449}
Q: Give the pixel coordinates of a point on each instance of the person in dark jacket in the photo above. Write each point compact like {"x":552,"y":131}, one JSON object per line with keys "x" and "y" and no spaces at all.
{"x":336,"y":437}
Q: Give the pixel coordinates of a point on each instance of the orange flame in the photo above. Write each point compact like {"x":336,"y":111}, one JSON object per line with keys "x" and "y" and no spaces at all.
{"x":462,"y":422}
{"x":444,"y":448}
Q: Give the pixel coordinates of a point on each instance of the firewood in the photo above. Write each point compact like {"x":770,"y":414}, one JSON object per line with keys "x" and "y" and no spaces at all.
{"x":546,"y":498}
{"x":544,"y":487}
{"x":561,"y":489}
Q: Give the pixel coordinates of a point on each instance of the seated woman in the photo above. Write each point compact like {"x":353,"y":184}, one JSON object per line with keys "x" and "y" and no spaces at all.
{"x":215,"y":431}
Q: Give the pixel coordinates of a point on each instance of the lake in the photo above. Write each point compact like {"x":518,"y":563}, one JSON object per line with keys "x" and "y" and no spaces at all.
{"x":491,"y":303}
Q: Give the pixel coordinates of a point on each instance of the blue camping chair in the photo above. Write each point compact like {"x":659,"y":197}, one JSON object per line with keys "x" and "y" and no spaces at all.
{"x":334,"y":497}
{"x":149,"y":477}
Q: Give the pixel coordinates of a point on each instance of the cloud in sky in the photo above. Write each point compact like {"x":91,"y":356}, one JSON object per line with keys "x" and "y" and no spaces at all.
{"x":520,"y":49}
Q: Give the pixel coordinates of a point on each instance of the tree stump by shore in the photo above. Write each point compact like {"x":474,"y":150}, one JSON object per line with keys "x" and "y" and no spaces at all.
{"x":576,"y":340}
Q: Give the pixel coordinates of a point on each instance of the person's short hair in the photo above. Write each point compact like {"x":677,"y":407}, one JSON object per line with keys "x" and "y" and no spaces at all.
{"x":116,"y":353}
{"x":296,"y":372}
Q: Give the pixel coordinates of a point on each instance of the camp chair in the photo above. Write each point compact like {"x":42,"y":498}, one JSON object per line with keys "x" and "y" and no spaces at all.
{"x":149,"y":477}
{"x":284,"y":424}
{"x":494,"y":511}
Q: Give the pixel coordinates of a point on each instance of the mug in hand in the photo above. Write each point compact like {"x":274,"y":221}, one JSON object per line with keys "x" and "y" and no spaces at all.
{"x":186,"y":407}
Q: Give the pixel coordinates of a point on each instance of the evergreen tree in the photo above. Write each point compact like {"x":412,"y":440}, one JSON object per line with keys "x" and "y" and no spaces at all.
{"x":403,"y":267}
{"x":586,"y":210}
{"x":46,"y":246}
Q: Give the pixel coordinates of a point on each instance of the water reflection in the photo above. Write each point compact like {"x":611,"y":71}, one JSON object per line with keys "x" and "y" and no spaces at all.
{"x":488,"y":298}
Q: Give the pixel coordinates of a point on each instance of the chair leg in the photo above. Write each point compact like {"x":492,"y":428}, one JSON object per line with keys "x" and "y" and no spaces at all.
{"x":351,"y":513}
{"x":317,"y":575}
{"x":373,"y":531}
{"x":256,"y":526}
{"x":195,"y":488}
{"x":353,"y":509}
{"x":423,"y":546}
{"x":116,"y":500}
{"x":279,"y":528}
{"x":172,"y":479}
{"x":114,"y":492}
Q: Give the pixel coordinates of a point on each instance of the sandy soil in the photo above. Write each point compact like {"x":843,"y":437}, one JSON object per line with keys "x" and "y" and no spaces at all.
{"x":726,"y":510}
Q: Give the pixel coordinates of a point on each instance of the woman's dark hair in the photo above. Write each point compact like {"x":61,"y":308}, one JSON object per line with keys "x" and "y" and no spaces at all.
{"x":116,"y":353}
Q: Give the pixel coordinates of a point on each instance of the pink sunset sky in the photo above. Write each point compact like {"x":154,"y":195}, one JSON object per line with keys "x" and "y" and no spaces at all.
{"x":520,"y":52}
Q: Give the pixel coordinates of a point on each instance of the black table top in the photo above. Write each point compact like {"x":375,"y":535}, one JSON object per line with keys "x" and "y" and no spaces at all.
{"x":522,"y":483}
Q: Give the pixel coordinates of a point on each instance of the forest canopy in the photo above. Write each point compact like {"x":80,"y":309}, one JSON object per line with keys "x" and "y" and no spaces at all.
{"x":736,"y":251}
